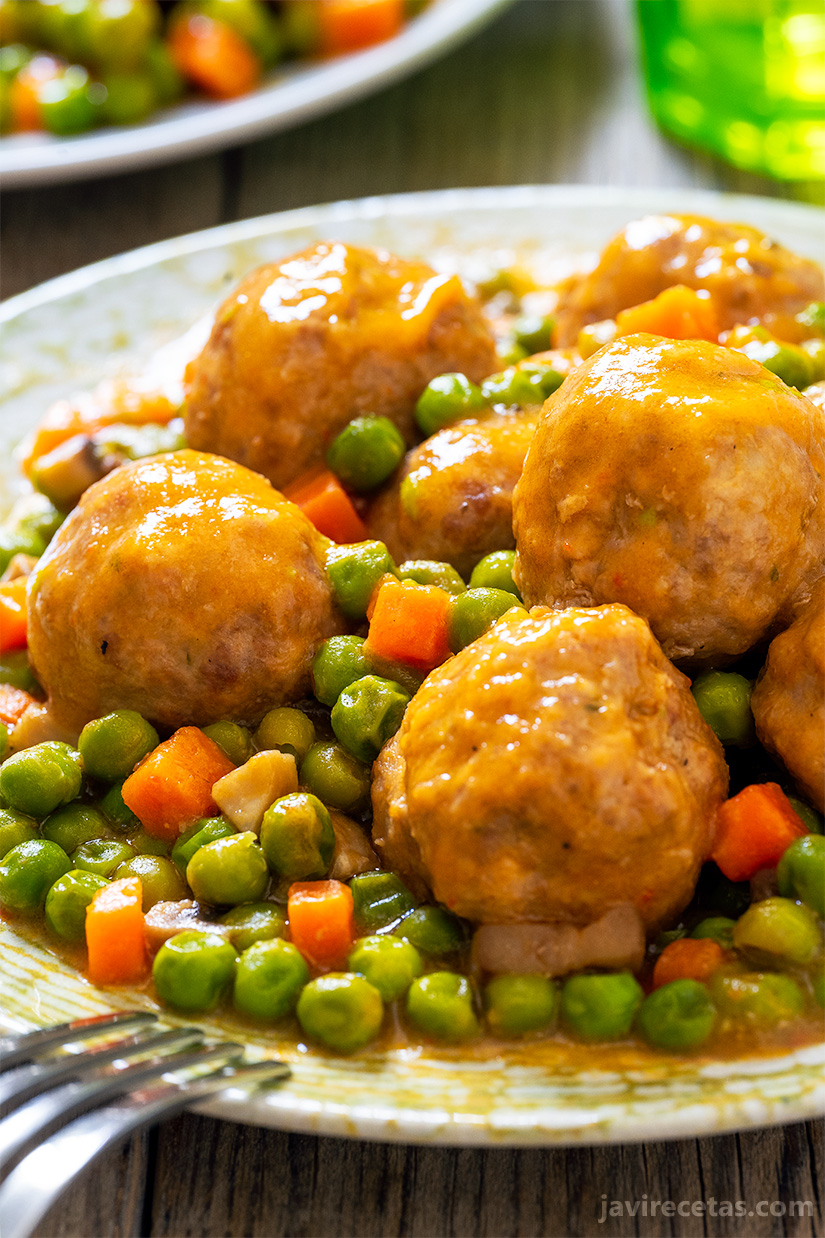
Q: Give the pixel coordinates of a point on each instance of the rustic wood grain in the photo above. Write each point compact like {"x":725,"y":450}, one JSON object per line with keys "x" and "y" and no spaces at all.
{"x":548,"y":93}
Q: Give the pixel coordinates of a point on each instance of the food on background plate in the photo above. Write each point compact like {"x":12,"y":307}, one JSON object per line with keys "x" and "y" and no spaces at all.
{"x":67,"y":66}
{"x":329,"y":757}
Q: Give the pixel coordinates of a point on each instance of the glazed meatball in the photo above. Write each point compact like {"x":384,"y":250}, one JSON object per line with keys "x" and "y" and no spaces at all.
{"x":453,"y":498}
{"x":748,"y":275}
{"x":303,"y":346}
{"x":182,"y":586}
{"x":788,"y":701}
{"x":682,"y":479}
{"x":555,"y":768}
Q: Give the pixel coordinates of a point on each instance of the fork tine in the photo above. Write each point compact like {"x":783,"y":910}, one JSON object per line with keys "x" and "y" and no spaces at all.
{"x":41,"y":1177}
{"x":31,"y":1123}
{"x":20,"y":1085}
{"x":20,"y":1047}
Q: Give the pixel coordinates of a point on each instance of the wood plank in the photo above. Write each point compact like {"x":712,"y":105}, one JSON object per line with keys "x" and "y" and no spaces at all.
{"x":108,"y":1200}
{"x":241,"y":1181}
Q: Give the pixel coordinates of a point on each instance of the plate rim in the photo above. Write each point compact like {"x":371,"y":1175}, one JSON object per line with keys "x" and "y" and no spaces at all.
{"x":386,"y":1121}
{"x":300,"y":95}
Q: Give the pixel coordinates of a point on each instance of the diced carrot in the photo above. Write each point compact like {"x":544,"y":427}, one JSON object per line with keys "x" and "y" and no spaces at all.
{"x":113,"y":402}
{"x":347,"y":25}
{"x":172,"y":787}
{"x":211,"y":54}
{"x":24,"y":93}
{"x":678,"y":313}
{"x":688,"y":958}
{"x":410,"y":624}
{"x":13,"y":614}
{"x":322,"y":498}
{"x":13,"y":703}
{"x":753,"y":830}
{"x":116,"y":933}
{"x":321,"y":922}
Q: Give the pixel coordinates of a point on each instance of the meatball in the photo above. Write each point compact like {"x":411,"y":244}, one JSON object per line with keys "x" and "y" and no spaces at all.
{"x":453,"y":498}
{"x":748,"y":275}
{"x":682,"y":479}
{"x":788,"y":701}
{"x":557,"y":767}
{"x":303,"y":346}
{"x":182,"y":586}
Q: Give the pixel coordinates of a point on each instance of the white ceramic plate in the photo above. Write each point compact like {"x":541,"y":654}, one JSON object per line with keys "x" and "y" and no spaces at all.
{"x":65,"y":335}
{"x":290,"y":96}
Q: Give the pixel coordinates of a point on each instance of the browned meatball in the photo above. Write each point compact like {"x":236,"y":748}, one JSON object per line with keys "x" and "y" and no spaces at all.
{"x":557,"y":767}
{"x":184,"y":587}
{"x":682,"y":479}
{"x":453,"y":498}
{"x":303,"y":346}
{"x":748,"y":275}
{"x":788,"y":701}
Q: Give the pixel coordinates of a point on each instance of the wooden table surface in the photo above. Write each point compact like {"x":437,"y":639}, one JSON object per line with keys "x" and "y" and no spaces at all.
{"x":548,"y":93}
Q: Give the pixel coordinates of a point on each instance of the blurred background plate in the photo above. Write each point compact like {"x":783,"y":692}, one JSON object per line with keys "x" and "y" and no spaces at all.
{"x":113,"y":316}
{"x":295,"y":94}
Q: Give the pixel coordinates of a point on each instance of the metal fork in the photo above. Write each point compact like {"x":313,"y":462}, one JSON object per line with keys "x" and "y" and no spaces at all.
{"x":69,"y":1093}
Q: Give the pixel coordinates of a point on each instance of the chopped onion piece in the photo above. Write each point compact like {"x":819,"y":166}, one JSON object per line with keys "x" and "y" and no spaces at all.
{"x":615,"y":940}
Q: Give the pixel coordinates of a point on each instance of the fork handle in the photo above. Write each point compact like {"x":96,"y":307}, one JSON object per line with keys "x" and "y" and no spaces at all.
{"x":41,"y":1177}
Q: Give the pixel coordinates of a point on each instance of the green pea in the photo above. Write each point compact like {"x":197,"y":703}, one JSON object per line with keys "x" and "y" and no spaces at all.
{"x":388,"y":963}
{"x":718,"y":928}
{"x":192,"y":969}
{"x":447,"y":398}
{"x":509,"y":352}
{"x":516,"y":1004}
{"x":534,"y":332}
{"x":718,"y":894}
{"x":337,"y":664}
{"x":523,"y":385}
{"x":778,"y":930}
{"x":16,"y":672}
{"x":679,"y":1015}
{"x":112,"y":746}
{"x":75,"y":824}
{"x":342,"y":1011}
{"x":473,"y":612}
{"x":18,"y":542}
{"x":253,"y":922}
{"x":41,"y":778}
{"x":268,"y":979}
{"x":143,"y":843}
{"x":297,"y":837}
{"x":431,"y":572}
{"x":161,"y":69}
{"x":809,"y":817}
{"x":288,"y":730}
{"x":801,"y":872}
{"x":117,"y":35}
{"x":67,"y":900}
{"x":253,"y":22}
{"x":814,"y":350}
{"x":818,"y":986}
{"x":724,"y":701}
{"x":70,"y":103}
{"x":813,"y":316}
{"x":367,"y":714}
{"x":120,"y":816}
{"x":228,"y":871}
{"x":4,"y":739}
{"x":366,"y":452}
{"x":234,"y":741}
{"x":329,"y":772}
{"x":433,"y":931}
{"x":601,"y":1007}
{"x":40,"y":517}
{"x":28,"y":872}
{"x":102,"y":856}
{"x":15,"y":827}
{"x":13,"y":58}
{"x":495,"y":571}
{"x":129,"y":98}
{"x":160,"y":880}
{"x":762,"y":999}
{"x":379,"y":898}
{"x":353,"y":573}
{"x":441,"y":1004}
{"x":786,"y":362}
{"x":207,"y":830}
